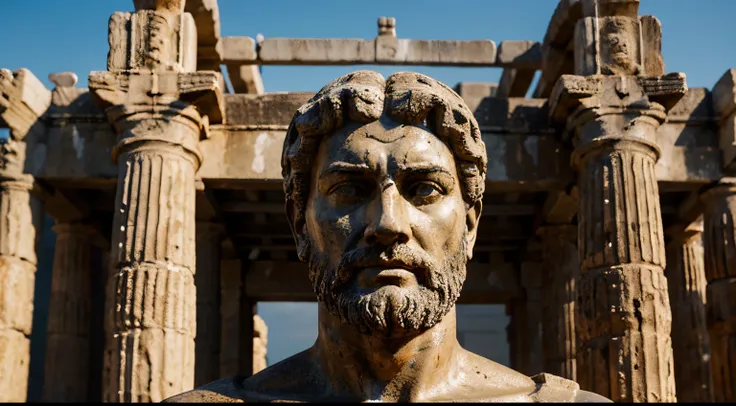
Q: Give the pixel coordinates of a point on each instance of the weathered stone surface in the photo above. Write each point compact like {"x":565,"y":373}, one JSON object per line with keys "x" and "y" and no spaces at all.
{"x":159,"y":114}
{"x":529,"y":330}
{"x":23,"y":99}
{"x":238,"y":50}
{"x":245,"y":78}
{"x":474,"y":92}
{"x":515,"y":82}
{"x":560,"y":279}
{"x":206,"y":16}
{"x":384,"y":50}
{"x":719,"y":237}
{"x":724,"y":101}
{"x":17,"y":271}
{"x":207,"y":280}
{"x":152,"y":40}
{"x":624,"y":314}
{"x":318,"y":51}
{"x":230,"y":296}
{"x":523,"y":55}
{"x":527,"y":158}
{"x":68,"y":336}
{"x":690,"y":343}
{"x":280,"y":281}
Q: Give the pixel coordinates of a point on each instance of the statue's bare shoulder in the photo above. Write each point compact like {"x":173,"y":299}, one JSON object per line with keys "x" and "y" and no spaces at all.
{"x":285,"y":381}
{"x":480,"y":380}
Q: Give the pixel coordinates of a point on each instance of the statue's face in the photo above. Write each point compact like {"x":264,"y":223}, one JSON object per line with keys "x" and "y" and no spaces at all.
{"x":388,"y":228}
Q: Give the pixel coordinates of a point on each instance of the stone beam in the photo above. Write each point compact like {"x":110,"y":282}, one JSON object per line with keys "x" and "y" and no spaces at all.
{"x":385,"y":50}
{"x":524,"y":152}
{"x":557,"y":56}
{"x":281,"y":280}
{"x":207,"y":19}
{"x":245,"y":78}
{"x":515,"y":82}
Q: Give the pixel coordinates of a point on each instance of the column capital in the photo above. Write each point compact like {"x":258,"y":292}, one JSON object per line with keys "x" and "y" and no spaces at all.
{"x":159,"y":107}
{"x":685,"y":233}
{"x":715,"y":192}
{"x":601,"y":111}
{"x":23,"y":99}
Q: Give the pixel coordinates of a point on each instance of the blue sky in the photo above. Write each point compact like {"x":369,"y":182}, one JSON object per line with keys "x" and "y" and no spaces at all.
{"x":49,"y":36}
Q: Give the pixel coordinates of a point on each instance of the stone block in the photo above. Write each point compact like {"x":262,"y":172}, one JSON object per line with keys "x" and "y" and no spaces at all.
{"x":15,"y":358}
{"x":152,"y":40}
{"x":317,"y":51}
{"x":16,"y":296}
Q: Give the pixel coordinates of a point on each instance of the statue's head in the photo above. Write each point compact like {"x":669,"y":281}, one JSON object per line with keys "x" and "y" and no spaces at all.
{"x":383,"y":182}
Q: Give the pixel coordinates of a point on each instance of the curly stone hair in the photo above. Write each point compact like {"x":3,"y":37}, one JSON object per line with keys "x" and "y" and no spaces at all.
{"x":363,"y":96}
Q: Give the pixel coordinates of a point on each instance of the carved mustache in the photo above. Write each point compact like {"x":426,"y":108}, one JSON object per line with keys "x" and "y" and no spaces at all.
{"x":397,"y":256}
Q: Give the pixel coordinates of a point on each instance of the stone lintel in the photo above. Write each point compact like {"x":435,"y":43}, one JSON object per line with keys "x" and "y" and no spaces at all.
{"x":486,"y":283}
{"x":524,"y":152}
{"x":23,"y":100}
{"x":384,"y":50}
{"x":200,"y":89}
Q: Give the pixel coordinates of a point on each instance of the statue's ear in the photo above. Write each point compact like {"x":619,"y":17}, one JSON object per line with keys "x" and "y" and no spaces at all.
{"x":298,"y":229}
{"x":472,"y":219}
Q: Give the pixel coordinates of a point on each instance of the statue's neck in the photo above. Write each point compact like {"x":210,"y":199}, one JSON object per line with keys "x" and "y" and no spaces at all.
{"x":371,"y":367}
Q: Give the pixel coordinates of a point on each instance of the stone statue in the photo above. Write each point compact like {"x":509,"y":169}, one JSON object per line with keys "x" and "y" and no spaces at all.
{"x":383,"y":182}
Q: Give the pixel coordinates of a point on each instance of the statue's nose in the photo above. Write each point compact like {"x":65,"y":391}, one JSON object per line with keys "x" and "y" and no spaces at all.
{"x":388,"y":219}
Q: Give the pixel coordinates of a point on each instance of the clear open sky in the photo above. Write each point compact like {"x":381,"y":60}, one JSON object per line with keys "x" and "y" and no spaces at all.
{"x":49,"y":36}
{"x":53,"y":35}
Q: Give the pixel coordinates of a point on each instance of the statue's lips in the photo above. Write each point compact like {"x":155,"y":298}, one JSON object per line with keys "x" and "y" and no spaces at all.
{"x":383,"y":275}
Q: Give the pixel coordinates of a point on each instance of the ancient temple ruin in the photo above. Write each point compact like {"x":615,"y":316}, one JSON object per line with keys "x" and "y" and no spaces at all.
{"x":608,"y":214}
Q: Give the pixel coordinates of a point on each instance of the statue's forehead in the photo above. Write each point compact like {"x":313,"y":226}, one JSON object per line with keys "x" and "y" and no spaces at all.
{"x":358,"y":143}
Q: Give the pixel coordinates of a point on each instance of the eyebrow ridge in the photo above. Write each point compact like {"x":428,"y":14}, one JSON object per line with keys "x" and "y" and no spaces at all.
{"x":424,"y":169}
{"x":343,"y":167}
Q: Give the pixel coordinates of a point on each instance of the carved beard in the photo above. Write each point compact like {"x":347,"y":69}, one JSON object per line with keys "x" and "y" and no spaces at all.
{"x":389,"y":310}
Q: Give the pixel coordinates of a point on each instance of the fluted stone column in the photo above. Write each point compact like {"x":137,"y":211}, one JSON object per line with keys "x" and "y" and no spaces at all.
{"x":531,"y":326}
{"x":23,"y":99}
{"x":17,"y":272}
{"x":159,"y":108}
{"x":690,"y":344}
{"x":561,"y":275}
{"x":612,"y":108}
{"x":231,"y":272}
{"x":67,"y":366}
{"x":207,"y":280}
{"x":719,"y":243}
{"x":524,"y":331}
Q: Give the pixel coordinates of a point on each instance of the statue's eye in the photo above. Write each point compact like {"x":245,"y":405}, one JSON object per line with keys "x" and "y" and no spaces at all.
{"x":425,"y":192}
{"x":348,"y":190}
